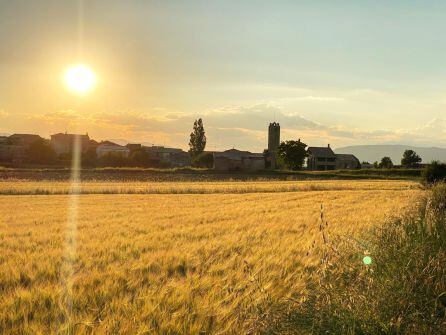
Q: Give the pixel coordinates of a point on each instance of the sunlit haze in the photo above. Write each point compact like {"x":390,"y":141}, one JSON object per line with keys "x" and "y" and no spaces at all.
{"x":335,"y":72}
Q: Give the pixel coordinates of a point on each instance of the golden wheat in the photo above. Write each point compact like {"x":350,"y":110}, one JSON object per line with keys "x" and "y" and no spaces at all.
{"x":132,"y":187}
{"x":170,"y":263}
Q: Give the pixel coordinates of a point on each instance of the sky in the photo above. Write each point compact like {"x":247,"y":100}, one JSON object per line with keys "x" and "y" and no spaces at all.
{"x":338,"y":72}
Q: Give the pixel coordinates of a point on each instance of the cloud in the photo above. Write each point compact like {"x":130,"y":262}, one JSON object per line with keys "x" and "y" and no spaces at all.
{"x":243,"y":127}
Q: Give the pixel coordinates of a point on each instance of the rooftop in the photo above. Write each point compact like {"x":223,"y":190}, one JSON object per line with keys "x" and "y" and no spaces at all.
{"x":321,"y":151}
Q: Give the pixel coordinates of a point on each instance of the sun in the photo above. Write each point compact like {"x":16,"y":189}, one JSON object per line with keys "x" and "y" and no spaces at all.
{"x":80,"y":79}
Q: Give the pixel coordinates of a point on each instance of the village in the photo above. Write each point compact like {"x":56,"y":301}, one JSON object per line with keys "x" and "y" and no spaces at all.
{"x":20,"y":150}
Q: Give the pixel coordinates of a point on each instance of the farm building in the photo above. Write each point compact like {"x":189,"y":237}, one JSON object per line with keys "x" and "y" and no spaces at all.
{"x":347,"y":161}
{"x":236,"y":160}
{"x":321,"y":158}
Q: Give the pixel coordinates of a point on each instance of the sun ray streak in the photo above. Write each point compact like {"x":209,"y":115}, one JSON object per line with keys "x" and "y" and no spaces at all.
{"x":69,"y":260}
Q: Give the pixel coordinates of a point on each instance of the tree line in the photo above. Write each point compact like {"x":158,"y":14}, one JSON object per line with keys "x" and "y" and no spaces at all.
{"x":410,"y":159}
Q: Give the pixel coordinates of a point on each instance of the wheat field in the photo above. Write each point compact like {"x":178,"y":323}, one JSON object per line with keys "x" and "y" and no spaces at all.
{"x":169,"y":258}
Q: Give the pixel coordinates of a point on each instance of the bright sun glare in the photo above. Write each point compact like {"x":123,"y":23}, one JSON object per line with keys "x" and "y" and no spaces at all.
{"x":80,"y":79}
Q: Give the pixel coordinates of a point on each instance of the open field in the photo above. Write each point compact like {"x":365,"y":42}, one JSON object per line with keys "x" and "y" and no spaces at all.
{"x":109,"y":187}
{"x":170,"y":263}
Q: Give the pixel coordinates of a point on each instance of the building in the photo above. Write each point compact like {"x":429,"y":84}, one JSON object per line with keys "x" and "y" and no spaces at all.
{"x":63,"y":143}
{"x":168,"y":157}
{"x":24,"y":140}
{"x":321,"y":158}
{"x":134,"y":146}
{"x":236,"y":160}
{"x":107,"y":148}
{"x":13,"y":148}
{"x":347,"y":161}
{"x":273,"y":145}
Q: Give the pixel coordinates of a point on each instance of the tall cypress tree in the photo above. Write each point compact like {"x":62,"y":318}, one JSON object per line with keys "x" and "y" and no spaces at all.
{"x":197,"y":141}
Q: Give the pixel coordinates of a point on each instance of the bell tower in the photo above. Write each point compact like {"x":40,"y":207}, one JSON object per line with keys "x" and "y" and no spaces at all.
{"x":273,"y":143}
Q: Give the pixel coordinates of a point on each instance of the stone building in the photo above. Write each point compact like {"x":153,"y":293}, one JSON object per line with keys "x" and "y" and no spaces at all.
{"x":236,"y":160}
{"x":321,"y":158}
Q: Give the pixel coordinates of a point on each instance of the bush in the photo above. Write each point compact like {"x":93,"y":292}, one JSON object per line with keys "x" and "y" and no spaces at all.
{"x":401,"y":292}
{"x":434,"y":172}
{"x":204,"y":160}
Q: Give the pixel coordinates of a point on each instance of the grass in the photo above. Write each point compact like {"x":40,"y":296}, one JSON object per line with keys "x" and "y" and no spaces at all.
{"x":212,"y":263}
{"x":402,"y":291}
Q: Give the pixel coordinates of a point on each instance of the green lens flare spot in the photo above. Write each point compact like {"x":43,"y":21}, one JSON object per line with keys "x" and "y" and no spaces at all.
{"x":367,"y":260}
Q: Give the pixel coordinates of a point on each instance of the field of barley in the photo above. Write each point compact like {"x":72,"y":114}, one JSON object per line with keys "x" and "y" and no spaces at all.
{"x":170,"y":258}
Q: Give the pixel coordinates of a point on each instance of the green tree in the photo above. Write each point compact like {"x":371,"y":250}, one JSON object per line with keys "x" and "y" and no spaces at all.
{"x":293,"y":153}
{"x":410,"y":159}
{"x":386,"y":163}
{"x":197,"y":141}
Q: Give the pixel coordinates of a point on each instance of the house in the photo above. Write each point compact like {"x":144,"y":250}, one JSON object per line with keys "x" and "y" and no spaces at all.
{"x":24,"y":140}
{"x":321,"y":158}
{"x":107,"y":148}
{"x":13,"y":148}
{"x":63,"y":143}
{"x":171,"y":157}
{"x":347,"y":161}
{"x":236,"y":160}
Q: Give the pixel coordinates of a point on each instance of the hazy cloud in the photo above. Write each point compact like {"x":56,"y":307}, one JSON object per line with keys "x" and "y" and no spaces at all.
{"x":243,"y":127}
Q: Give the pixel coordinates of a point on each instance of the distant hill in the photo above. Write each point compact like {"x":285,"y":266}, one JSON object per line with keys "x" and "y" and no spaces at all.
{"x":372,"y":153}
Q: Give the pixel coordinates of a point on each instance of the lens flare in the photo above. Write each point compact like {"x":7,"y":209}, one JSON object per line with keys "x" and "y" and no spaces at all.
{"x":367,"y":260}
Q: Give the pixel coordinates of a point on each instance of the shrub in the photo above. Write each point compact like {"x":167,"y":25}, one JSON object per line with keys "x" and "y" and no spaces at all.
{"x":401,"y":292}
{"x":204,"y":160}
{"x":434,"y":172}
